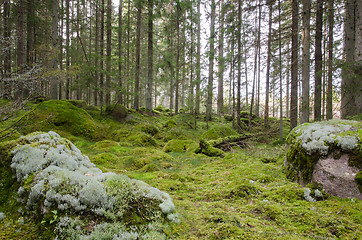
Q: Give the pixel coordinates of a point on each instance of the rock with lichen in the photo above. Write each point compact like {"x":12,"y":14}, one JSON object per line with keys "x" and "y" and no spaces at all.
{"x":328,"y":153}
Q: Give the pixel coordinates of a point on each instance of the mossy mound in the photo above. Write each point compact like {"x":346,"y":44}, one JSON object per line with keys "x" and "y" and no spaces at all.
{"x":307,"y":143}
{"x":121,"y":134}
{"x":218,"y":132}
{"x":153,"y":154}
{"x":141,"y":139}
{"x":176,"y":145}
{"x":56,"y":183}
{"x":207,"y":149}
{"x":170,"y":124}
{"x":105,"y":145}
{"x":64,"y":116}
{"x":78,"y":103}
{"x":149,"y":129}
{"x":117,"y":111}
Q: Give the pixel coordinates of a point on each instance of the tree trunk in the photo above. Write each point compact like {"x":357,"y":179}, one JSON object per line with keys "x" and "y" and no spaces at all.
{"x":54,"y":80}
{"x":7,"y":55}
{"x":238,"y":100}
{"x":67,"y":43}
{"x":138,"y":53}
{"x":30,"y":26}
{"x":280,"y":75}
{"x":318,"y":62}
{"x":211,"y":62}
{"x":109,"y":52}
{"x":294,"y":68}
{"x":178,"y":46}
{"x":266,"y":110}
{"x":220,"y":88}
{"x":330,"y":59}
{"x":305,"y":61}
{"x":198,"y":60}
{"x":96,"y":59}
{"x":257,"y":105}
{"x":20,"y":46}
{"x":150,"y":56}
{"x":101,"y":54}
{"x":120,"y":26}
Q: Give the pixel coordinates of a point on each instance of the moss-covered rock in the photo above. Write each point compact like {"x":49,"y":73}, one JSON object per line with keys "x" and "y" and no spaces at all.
{"x":206,"y":148}
{"x":117,"y":111}
{"x":63,"y":116}
{"x":318,"y":142}
{"x":141,"y":139}
{"x":62,"y":189}
{"x":358,"y":179}
{"x":148,"y":128}
{"x":78,"y":103}
{"x":218,"y":132}
{"x":176,"y":145}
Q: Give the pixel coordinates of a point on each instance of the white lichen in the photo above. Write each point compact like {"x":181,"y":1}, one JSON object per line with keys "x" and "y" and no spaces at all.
{"x":2,"y":216}
{"x":65,"y":178}
{"x":317,"y":137}
{"x":307,"y":195}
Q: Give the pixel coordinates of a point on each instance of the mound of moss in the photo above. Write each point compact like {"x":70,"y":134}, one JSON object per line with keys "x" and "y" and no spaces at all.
{"x":218,"y":132}
{"x":63,"y":188}
{"x":176,"y":145}
{"x":117,"y":111}
{"x":207,"y":149}
{"x":309,"y":142}
{"x":65,"y":117}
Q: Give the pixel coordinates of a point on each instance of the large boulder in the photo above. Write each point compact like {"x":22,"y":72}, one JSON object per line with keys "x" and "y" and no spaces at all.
{"x":328,"y":153}
{"x":52,"y":176}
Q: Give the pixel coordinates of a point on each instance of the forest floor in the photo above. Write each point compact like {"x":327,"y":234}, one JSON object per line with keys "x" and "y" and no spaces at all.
{"x":243,"y":195}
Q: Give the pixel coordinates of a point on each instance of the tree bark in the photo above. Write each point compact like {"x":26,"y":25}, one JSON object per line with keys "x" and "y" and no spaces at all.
{"x":54,"y":80}
{"x":178,"y":46}
{"x":138,"y":53}
{"x":266,"y":110}
{"x":20,"y":46}
{"x":305,"y":61}
{"x":109,"y":52}
{"x":101,"y":55}
{"x":294,"y":67}
{"x":67,"y":45}
{"x":211,"y":62}
{"x":238,"y":97}
{"x":220,"y":89}
{"x":150,"y":56}
{"x":329,"y":107}
{"x":7,"y":55}
{"x":318,"y":62}
{"x":198,"y":60}
{"x":120,"y":26}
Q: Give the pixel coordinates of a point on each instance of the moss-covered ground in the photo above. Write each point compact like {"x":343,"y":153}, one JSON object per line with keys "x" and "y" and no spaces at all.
{"x":243,"y":195}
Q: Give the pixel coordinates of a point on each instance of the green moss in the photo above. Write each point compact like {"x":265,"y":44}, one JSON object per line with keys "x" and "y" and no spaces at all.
{"x":142,"y":139}
{"x":150,"y":168}
{"x":121,"y":134}
{"x":117,"y":111}
{"x":358,"y":179}
{"x":149,"y":129}
{"x":78,"y":103}
{"x":218,"y":132}
{"x":176,"y":145}
{"x":105,"y":159}
{"x":206,"y":148}
{"x":153,"y":154}
{"x":63,"y":116}
{"x":170,"y":124}
{"x":105,"y":145}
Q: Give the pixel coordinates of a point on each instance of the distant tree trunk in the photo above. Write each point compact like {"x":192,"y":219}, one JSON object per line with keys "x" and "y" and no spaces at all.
{"x":318,"y":62}
{"x":30,"y":28}
{"x":280,"y":74}
{"x":191,"y":103}
{"x":96,"y":59}
{"x":305,"y":61}
{"x":294,"y":68}
{"x":330,"y":59}
{"x":287,"y":95}
{"x":351,"y":89}
{"x":20,"y":46}
{"x":150,"y":56}
{"x":128,"y":58}
{"x":61,"y":55}
{"x":178,"y":46}
{"x":67,"y":43}
{"x":138,"y":53}
{"x":7,"y":55}
{"x":101,"y":54}
{"x":266,"y":110}
{"x":120,"y":26}
{"x":211,"y":62}
{"x":198,"y":60}
{"x":257,"y":105}
{"x":238,"y":100}
{"x":54,"y":81}
{"x":220,"y":88}
{"x":109,"y":51}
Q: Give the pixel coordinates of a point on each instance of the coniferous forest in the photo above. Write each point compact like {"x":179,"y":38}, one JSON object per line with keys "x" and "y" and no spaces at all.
{"x":170,"y":119}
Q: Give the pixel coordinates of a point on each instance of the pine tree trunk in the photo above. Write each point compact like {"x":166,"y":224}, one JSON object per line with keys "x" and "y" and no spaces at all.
{"x":305,"y":61}
{"x":30,"y":28}
{"x":54,"y":81}
{"x":101,"y":55}
{"x":120,"y":26}
{"x":238,"y":100}
{"x":178,"y":46}
{"x":294,"y":68}
{"x":257,"y":105}
{"x":67,"y":43}
{"x":109,"y":52}
{"x":330,"y":59}
{"x":266,"y":110}
{"x":138,"y":53}
{"x":211,"y":62}
{"x":20,"y":46}
{"x":7,"y":55}
{"x":96,"y":59}
{"x":220,"y":89}
{"x":280,"y":75}
{"x":150,"y":56}
{"x":318,"y":62}
{"x":198,"y":60}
